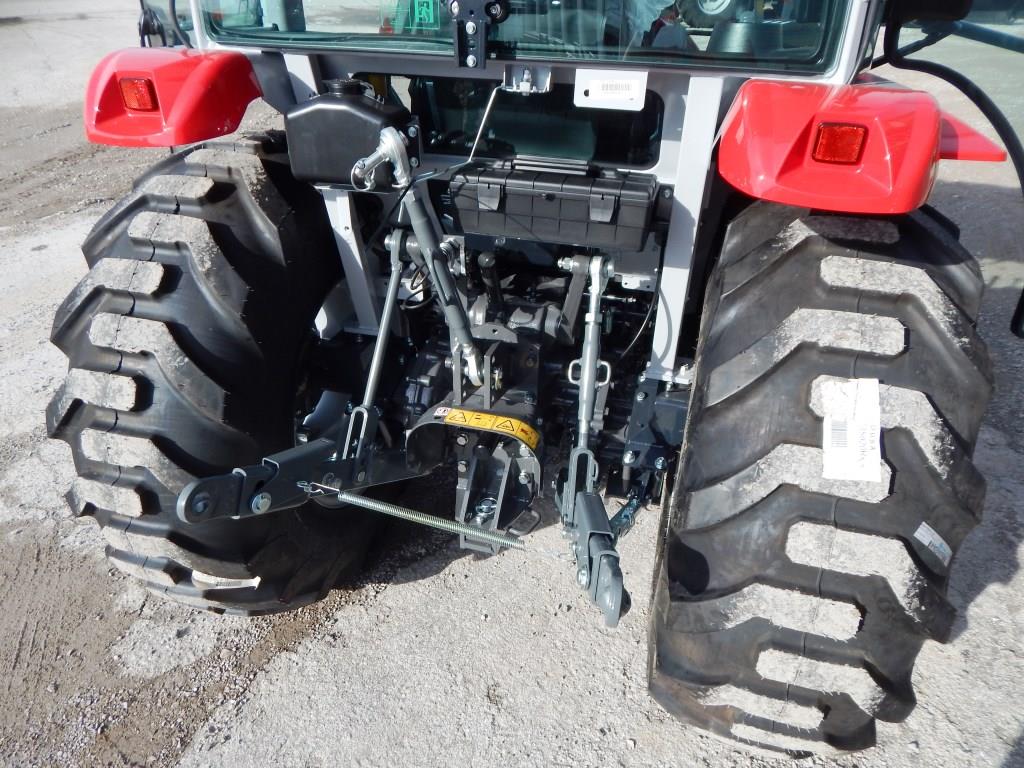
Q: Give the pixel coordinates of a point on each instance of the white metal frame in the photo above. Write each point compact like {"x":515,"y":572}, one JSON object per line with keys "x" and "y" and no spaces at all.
{"x":361,"y":274}
{"x":695,"y":145}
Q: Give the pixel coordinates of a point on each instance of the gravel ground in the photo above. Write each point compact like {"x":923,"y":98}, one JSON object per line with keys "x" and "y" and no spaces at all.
{"x":437,"y":657}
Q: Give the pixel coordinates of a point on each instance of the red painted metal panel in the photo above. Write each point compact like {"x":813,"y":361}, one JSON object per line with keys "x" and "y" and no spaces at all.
{"x":768,"y":141}
{"x":200,"y":95}
{"x":961,"y":142}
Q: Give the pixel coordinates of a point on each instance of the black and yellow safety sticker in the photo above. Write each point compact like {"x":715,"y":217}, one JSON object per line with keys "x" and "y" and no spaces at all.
{"x":490,"y":422}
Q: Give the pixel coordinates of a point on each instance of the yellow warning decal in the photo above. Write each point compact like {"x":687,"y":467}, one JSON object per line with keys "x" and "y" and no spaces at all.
{"x":492,"y":422}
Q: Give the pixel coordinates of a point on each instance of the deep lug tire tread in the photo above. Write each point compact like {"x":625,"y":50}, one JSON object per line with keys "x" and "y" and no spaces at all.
{"x":182,"y":342}
{"x":789,"y":609}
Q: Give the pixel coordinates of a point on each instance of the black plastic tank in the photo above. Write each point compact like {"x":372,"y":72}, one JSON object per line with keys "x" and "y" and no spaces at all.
{"x":328,"y":134}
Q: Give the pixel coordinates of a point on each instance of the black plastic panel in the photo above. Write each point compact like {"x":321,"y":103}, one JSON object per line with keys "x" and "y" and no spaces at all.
{"x":605,"y":211}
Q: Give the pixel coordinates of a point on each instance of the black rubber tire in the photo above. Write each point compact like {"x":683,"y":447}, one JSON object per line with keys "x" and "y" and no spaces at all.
{"x":789,"y":610}
{"x":184,"y":343}
{"x":694,"y":16}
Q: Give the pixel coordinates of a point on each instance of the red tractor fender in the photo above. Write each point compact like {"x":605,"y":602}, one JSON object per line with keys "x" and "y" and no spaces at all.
{"x":769,"y":135}
{"x":199,"y":95}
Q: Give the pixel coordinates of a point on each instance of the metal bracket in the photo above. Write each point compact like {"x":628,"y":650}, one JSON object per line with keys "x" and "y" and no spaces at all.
{"x":495,"y":488}
{"x":286,"y":480}
{"x":362,"y":428}
{"x":573,"y":297}
{"x":470,"y":20}
{"x":581,"y":477}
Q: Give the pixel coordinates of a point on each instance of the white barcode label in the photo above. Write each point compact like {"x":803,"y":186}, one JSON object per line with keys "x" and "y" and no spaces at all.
{"x":931,"y":539}
{"x":851,"y":433}
{"x":610,"y":89}
{"x":840,"y":432}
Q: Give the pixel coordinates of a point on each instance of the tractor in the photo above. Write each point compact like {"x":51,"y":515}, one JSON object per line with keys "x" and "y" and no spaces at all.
{"x":570,"y":259}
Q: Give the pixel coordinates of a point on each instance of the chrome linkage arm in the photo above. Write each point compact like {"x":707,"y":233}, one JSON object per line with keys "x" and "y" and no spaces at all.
{"x":583,"y":512}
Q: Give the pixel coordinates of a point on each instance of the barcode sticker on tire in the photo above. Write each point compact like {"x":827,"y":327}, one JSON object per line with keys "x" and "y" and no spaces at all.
{"x":840,"y":432}
{"x":931,"y":539}
{"x":851,"y":433}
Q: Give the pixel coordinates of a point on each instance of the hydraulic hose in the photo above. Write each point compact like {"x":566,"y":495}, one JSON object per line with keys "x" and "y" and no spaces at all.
{"x":981,"y":100}
{"x":172,"y":9}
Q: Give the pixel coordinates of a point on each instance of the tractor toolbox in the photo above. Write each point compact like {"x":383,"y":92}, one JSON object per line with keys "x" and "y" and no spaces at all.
{"x":610,"y":210}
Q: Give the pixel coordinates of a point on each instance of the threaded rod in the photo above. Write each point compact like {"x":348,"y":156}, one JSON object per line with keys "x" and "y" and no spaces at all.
{"x":449,"y":526}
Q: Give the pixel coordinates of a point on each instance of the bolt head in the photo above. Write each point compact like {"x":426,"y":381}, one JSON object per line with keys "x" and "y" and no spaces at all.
{"x":485,"y":508}
{"x":629,"y":457}
{"x":471,"y":61}
{"x":260,"y":503}
{"x":454,"y":8}
{"x":413,"y":131}
{"x":529,"y":398}
{"x":582,"y":577}
{"x":461,"y":439}
{"x":641,"y":396}
{"x":463,"y":467}
{"x":470,"y":28}
{"x":524,"y":478}
{"x":660,"y":463}
{"x":494,"y":10}
{"x":414,"y":162}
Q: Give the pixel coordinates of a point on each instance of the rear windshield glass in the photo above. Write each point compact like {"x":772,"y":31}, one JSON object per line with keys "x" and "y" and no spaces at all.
{"x":781,"y":35}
